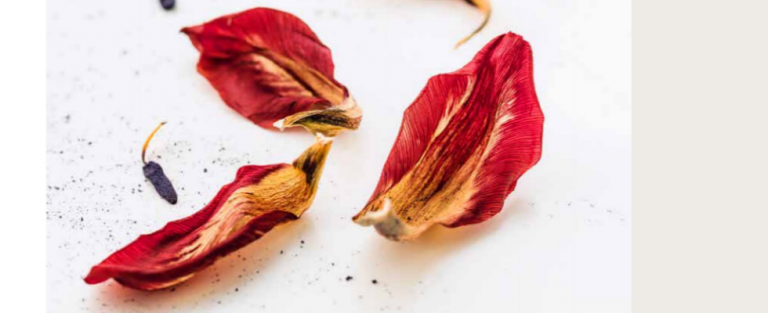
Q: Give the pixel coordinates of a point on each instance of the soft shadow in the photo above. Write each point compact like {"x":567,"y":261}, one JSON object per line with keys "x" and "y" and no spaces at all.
{"x":237,"y":269}
{"x":407,"y":263}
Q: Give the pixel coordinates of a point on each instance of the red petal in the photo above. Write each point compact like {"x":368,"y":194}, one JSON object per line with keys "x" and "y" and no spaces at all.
{"x":463,"y":144}
{"x":260,"y":198}
{"x":266,"y":64}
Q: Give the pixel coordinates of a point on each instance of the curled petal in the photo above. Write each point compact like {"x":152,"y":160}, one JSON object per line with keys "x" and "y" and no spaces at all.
{"x":462,"y":146}
{"x":268,"y":65}
{"x":260,"y":198}
{"x":328,"y":122}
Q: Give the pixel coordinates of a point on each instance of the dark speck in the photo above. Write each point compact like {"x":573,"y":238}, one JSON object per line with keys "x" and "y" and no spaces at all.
{"x":205,"y":170}
{"x":374,"y":282}
{"x":349,"y":278}
{"x":281,"y":251}
{"x":168,"y":4}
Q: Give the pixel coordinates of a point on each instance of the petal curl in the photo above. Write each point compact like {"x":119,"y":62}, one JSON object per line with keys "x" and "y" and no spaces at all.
{"x":260,"y":198}
{"x":463,"y":144}
{"x":268,"y":65}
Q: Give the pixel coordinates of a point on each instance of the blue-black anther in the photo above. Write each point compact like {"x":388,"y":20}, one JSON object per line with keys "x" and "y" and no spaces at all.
{"x":154,"y":172}
{"x":168,"y":4}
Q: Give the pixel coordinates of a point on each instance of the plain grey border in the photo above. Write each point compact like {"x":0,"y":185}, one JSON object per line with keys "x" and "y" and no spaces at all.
{"x":700,"y":155}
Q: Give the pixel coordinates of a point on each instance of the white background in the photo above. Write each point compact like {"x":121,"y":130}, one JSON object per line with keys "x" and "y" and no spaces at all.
{"x":562,"y":243}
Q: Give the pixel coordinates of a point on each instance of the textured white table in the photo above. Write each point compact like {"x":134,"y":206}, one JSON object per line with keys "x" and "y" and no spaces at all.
{"x":562,"y":243}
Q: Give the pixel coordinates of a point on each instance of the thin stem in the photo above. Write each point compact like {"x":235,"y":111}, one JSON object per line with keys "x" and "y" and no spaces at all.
{"x":485,"y":7}
{"x":146,"y":143}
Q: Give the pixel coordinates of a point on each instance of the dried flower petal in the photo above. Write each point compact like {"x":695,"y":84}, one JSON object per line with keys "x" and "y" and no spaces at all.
{"x":463,"y":144}
{"x":268,"y":65}
{"x":260,"y":198}
{"x":485,"y":7}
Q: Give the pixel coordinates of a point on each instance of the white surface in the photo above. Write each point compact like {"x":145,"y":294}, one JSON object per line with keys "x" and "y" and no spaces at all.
{"x":562,"y":243}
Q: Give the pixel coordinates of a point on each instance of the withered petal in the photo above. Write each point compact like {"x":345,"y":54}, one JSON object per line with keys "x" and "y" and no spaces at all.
{"x":260,"y":198}
{"x":268,"y":65}
{"x":463,"y":144}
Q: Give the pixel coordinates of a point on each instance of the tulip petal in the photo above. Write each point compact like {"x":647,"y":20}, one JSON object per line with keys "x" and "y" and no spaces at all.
{"x":463,"y":144}
{"x":268,"y":65}
{"x":260,"y":198}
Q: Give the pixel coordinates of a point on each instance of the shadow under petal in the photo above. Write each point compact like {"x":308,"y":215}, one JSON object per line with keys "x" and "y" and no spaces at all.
{"x":236,"y":269}
{"x":405,"y":264}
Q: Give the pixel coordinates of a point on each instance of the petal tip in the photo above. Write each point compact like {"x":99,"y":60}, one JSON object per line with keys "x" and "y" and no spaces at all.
{"x":323,"y":139}
{"x":192,"y":30}
{"x":387,"y":223}
{"x":93,"y":277}
{"x":280,"y":124}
